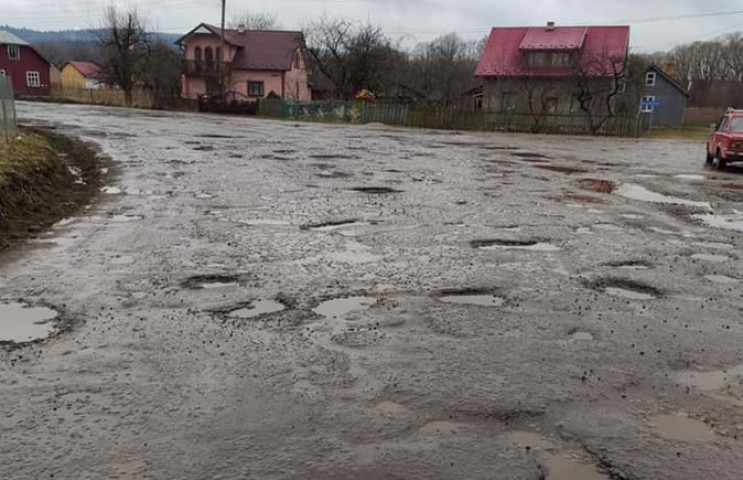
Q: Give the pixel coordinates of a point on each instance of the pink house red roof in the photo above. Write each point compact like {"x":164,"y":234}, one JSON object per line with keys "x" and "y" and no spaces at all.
{"x":599,"y":50}
{"x":87,"y":69}
{"x":257,"y":49}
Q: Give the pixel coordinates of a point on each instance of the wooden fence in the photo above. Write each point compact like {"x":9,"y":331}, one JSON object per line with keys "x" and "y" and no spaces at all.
{"x":8,"y":121}
{"x":443,"y":118}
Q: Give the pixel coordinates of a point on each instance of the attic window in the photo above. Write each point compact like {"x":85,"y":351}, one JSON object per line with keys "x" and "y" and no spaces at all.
{"x":548,"y":59}
{"x":14,"y":52}
{"x":650,"y":79}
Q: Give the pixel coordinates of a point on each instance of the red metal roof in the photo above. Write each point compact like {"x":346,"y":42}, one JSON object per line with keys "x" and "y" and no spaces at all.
{"x":87,"y":69}
{"x":259,"y":49}
{"x":601,"y":50}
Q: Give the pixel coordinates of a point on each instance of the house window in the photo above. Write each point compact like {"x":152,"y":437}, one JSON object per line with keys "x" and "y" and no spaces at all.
{"x":550,"y":104}
{"x":537,"y":59}
{"x":33,"y":79}
{"x":650,"y":79}
{"x":14,"y":52}
{"x":255,"y":89}
{"x":644,"y":101}
{"x":508,"y":102}
{"x":560,"y":59}
{"x":209,"y":58}
{"x":197,"y":54}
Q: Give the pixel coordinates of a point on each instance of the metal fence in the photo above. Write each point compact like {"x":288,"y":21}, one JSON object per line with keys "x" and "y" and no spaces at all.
{"x":446,"y":118}
{"x":8,"y":122}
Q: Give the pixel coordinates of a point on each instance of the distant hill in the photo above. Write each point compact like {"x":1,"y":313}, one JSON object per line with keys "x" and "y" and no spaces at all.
{"x":63,"y":36}
{"x":63,"y":46}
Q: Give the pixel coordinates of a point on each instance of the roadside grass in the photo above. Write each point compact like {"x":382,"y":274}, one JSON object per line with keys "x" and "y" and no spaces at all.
{"x":694,"y":134}
{"x":37,"y":187}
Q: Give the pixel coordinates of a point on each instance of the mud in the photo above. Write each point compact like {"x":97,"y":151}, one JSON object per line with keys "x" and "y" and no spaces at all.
{"x":159,"y":377}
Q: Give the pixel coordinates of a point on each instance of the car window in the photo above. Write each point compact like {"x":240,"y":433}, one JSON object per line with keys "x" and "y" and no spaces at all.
{"x":722,"y":124}
{"x":736,"y":125}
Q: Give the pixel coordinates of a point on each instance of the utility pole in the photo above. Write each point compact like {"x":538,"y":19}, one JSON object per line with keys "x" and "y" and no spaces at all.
{"x":221,"y":76}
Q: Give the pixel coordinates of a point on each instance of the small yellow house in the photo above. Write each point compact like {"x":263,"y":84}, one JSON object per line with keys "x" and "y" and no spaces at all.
{"x":81,"y":75}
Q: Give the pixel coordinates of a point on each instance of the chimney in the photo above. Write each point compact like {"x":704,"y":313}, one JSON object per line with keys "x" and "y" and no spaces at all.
{"x":670,"y":69}
{"x":550,"y":26}
{"x":241,"y":27}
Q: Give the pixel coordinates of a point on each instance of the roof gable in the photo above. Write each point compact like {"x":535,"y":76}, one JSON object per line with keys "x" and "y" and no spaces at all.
{"x":86,"y":69}
{"x":7,"y":38}
{"x":601,"y":50}
{"x":662,"y":74}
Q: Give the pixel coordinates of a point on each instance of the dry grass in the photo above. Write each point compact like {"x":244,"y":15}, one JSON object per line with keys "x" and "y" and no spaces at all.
{"x":694,"y":134}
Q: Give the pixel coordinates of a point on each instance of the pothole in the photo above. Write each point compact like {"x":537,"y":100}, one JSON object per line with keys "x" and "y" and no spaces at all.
{"x":111,"y":191}
{"x":391,"y":409}
{"x":20,"y":323}
{"x":339,"y":307}
{"x":476,"y":297}
{"x":690,"y":177}
{"x":564,"y":468}
{"x":637,"y":192}
{"x":204,"y":195}
{"x":585,"y":199}
{"x":334,"y":174}
{"x":210,"y":282}
{"x":562,"y":169}
{"x":505,"y":244}
{"x":332,"y":225}
{"x":256,"y":309}
{"x":596,"y":185}
{"x":123,"y":218}
{"x":530,"y":155}
{"x":681,"y":428}
{"x":630,"y":265}
{"x":376,"y":190}
{"x":265,"y":222}
{"x":581,"y":336}
{"x":725,"y":222}
{"x":334,"y":156}
{"x":709,"y":257}
{"x":712,"y":381}
{"x":722,"y":279}
{"x":625,"y":288}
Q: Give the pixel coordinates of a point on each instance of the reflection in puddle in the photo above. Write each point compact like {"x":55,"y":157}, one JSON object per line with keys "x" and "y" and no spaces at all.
{"x":726,"y":222}
{"x":637,"y":192}
{"x":258,"y":308}
{"x":342,"y":306}
{"x":19,"y":323}
{"x":628,"y":294}
{"x":682,"y":429}
{"x":479,"y":300}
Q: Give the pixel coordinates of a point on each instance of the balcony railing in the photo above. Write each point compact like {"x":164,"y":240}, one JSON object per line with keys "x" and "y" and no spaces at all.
{"x":206,"y":69}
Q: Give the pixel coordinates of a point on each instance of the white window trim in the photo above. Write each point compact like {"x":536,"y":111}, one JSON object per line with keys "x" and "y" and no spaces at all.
{"x":30,"y":75}
{"x":17,"y":50}
{"x":647,"y":108}
{"x":650,"y":79}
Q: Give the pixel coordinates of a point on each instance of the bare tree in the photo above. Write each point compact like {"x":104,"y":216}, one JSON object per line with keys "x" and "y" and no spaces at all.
{"x":255,"y":21}
{"x":162,"y":75}
{"x":126,"y":48}
{"x":598,"y":81}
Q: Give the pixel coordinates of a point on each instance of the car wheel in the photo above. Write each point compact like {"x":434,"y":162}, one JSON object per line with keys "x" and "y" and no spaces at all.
{"x":709,"y":158}
{"x":719,"y":162}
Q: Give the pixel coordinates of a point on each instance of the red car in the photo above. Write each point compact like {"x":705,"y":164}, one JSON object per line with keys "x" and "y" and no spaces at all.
{"x":726,"y":142}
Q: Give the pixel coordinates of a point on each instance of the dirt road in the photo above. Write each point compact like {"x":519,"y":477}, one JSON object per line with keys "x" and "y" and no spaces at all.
{"x":271,"y":300}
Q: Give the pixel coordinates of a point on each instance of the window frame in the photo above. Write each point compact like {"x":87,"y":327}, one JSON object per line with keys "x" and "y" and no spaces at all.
{"x":33,"y":74}
{"x":648,"y":77}
{"x":259,"y":83}
{"x":647,"y":108}
{"x":17,"y":50}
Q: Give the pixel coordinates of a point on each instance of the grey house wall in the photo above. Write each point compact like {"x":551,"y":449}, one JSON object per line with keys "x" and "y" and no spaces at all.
{"x":672,"y":107}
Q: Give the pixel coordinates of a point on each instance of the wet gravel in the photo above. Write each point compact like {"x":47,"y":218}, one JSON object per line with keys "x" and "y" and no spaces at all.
{"x":238,"y":316}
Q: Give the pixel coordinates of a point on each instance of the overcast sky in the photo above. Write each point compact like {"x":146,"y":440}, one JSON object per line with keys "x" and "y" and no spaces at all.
{"x":655,"y":23}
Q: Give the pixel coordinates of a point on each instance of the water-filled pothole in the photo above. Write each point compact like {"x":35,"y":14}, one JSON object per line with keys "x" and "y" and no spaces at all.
{"x":562,"y":169}
{"x":507,"y":244}
{"x":476,"y":297}
{"x":20,"y":323}
{"x":331,"y":225}
{"x":637,"y":192}
{"x":559,"y":467}
{"x":712,"y":381}
{"x":376,"y":190}
{"x":596,"y":185}
{"x":529,"y":155}
{"x":257,"y":308}
{"x":111,"y":191}
{"x":682,"y":428}
{"x":210,"y":282}
{"x":625,"y":288}
{"x":630,"y":265}
{"x":339,"y":307}
{"x":709,"y":257}
{"x":725,"y":222}
{"x":722,"y":279}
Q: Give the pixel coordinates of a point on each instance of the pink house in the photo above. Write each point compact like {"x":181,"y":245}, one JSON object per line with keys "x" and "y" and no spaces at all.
{"x":254,"y":63}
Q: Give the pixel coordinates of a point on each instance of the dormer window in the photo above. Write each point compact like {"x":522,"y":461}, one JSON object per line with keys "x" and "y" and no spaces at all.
{"x":537,"y":59}
{"x":548,"y":59}
{"x":650,"y":79}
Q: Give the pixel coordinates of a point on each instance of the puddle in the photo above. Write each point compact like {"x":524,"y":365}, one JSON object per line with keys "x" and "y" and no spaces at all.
{"x":596,"y":185}
{"x":376,"y":190}
{"x":112,"y":191}
{"x":391,"y":409}
{"x":637,"y":192}
{"x":120,"y":218}
{"x":582,"y":337}
{"x":339,"y":307}
{"x":564,"y":468}
{"x":204,"y":195}
{"x":725,"y":222}
{"x":681,"y":428}
{"x":216,"y":285}
{"x":716,"y":246}
{"x":121,"y":260}
{"x":266,"y":222}
{"x":528,"y":440}
{"x":531,"y":245}
{"x":211,"y":282}
{"x":257,"y":309}
{"x":623,"y":288}
{"x":630,"y":265}
{"x":332,"y":225}
{"x":585,"y":199}
{"x":708,"y":257}
{"x":722,"y":279}
{"x":632,"y":216}
{"x":711,"y":381}
{"x":20,"y":323}
{"x":531,"y":155}
{"x":477,"y":300}
{"x":690,"y":177}
{"x":562,"y":169}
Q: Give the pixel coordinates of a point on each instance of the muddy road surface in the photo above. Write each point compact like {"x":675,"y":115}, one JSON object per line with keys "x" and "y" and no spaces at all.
{"x":272,"y":300}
